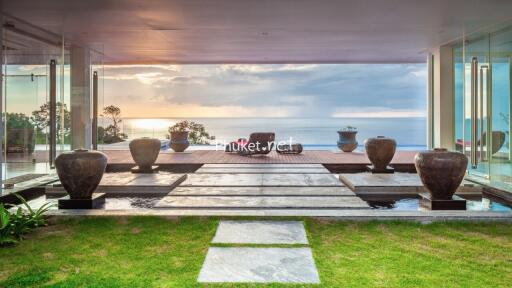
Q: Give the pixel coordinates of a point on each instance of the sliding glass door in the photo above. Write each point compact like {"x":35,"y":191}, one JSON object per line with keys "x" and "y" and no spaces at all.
{"x":25,"y":148}
{"x":34,"y":74}
{"x":482,"y":71}
{"x":477,"y":98}
{"x":501,"y":55}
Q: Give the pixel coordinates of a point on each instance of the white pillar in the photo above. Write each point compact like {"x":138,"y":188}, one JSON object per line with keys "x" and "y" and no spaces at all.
{"x":81,"y":120}
{"x":441,"y":98}
{"x":430,"y":101}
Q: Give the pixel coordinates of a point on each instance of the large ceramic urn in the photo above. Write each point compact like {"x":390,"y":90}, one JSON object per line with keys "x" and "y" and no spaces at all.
{"x":144,"y":151}
{"x":179,"y":141}
{"x":347,"y":140}
{"x":80,"y":172}
{"x":380,"y":150}
{"x":441,"y":172}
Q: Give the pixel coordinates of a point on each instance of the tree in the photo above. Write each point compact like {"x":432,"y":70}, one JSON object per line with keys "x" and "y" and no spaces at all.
{"x":41,"y":119}
{"x":112,"y":133}
{"x":19,"y":133}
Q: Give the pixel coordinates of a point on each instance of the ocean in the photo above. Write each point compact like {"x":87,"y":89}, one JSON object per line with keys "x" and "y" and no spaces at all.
{"x":313,"y":133}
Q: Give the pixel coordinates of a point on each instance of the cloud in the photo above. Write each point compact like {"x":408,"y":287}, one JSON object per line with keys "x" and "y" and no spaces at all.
{"x":377,"y":112}
{"x":176,"y":68}
{"x":294,"y":90}
{"x":269,"y":68}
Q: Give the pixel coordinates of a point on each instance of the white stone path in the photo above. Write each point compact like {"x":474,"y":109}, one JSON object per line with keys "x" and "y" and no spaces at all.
{"x":257,"y":264}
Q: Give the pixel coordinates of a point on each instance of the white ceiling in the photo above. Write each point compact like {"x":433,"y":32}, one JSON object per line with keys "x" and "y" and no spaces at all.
{"x":261,"y":31}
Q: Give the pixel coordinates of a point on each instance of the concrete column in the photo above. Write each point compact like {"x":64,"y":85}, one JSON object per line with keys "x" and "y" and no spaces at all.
{"x":81,"y":119}
{"x":441,"y":99}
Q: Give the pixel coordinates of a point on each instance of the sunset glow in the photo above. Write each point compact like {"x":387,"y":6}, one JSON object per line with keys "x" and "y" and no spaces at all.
{"x":267,"y":90}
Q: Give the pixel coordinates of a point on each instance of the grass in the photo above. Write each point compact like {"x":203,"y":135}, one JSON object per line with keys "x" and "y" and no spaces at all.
{"x":158,"y":252}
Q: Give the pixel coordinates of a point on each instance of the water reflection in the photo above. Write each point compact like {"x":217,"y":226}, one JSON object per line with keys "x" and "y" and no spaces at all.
{"x":411,"y":203}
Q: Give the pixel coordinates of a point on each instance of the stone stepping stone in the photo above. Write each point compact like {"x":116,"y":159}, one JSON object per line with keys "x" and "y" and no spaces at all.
{"x":224,"y":180}
{"x":238,"y":180}
{"x":130,"y":183}
{"x":259,"y":265}
{"x":261,"y":232}
{"x":262,"y":191}
{"x":264,"y":168}
{"x":395,"y":183}
{"x":300,"y":180}
{"x":262,"y":165}
{"x":255,"y":170}
{"x":261,"y":202}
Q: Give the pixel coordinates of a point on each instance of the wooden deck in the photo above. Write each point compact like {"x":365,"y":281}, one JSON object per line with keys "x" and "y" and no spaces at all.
{"x":220,"y":157}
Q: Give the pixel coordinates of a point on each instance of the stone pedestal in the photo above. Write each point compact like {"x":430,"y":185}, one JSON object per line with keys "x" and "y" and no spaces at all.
{"x":152,"y":169}
{"x":97,"y":201}
{"x":456,"y":203}
{"x":387,"y":170}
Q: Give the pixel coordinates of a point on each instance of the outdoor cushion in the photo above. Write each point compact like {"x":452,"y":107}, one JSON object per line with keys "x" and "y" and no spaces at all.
{"x":235,"y":146}
{"x":289,"y":149}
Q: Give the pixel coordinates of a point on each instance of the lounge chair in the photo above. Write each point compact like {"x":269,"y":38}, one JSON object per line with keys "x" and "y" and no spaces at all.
{"x":260,"y":143}
{"x":235,"y":146}
{"x":498,"y":139}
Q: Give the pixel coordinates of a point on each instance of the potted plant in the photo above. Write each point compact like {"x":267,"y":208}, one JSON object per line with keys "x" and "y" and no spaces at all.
{"x":178,"y":134}
{"x":347,"y":139}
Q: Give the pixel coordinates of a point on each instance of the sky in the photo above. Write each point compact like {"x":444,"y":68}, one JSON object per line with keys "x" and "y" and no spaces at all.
{"x":268,"y":90}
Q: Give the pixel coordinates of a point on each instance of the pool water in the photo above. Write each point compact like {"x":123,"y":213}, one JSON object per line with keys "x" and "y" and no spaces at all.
{"x":411,"y":203}
{"x":111,"y":203}
{"x":387,"y":202}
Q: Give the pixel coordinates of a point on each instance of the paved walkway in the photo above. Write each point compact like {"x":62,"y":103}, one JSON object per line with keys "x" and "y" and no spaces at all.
{"x":258,"y":186}
{"x":259,"y":264}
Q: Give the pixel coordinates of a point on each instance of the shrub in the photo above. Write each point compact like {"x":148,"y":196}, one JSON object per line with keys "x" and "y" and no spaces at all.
{"x":14,"y":224}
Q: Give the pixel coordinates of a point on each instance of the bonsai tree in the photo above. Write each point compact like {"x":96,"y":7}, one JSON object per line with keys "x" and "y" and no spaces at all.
{"x":349,"y":129}
{"x":41,"y":119}
{"x":197,"y":133}
{"x":20,"y":133}
{"x":112,"y":133}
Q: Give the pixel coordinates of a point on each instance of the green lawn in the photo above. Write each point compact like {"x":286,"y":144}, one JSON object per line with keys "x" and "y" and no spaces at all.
{"x":157,"y":252}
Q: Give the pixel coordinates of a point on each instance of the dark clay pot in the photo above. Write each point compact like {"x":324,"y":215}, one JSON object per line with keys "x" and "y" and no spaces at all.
{"x":145,"y":151}
{"x":179,"y":141}
{"x":380,"y":150}
{"x":80,"y":172}
{"x":347,"y":141}
{"x":441,"y":171}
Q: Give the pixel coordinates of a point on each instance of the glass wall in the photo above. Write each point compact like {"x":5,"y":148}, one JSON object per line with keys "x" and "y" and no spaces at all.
{"x":482,"y":92}
{"x":501,"y":54}
{"x":305,"y":102}
{"x":26,"y":102}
